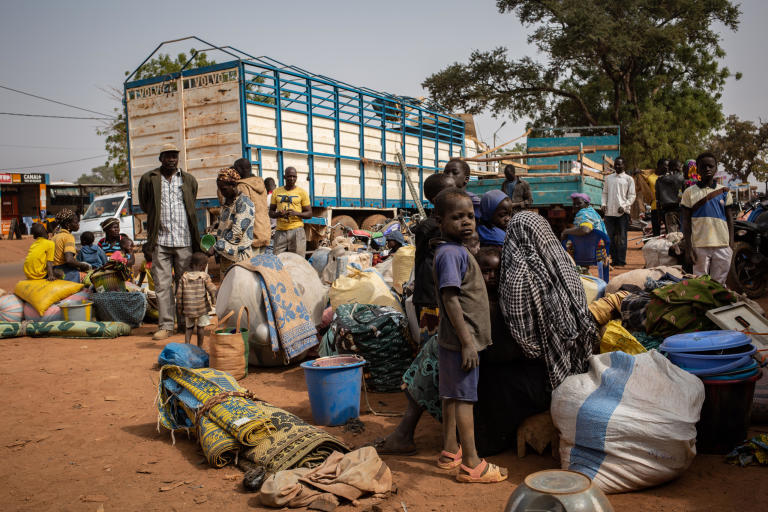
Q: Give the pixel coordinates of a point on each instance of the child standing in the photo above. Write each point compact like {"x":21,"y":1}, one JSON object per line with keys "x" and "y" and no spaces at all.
{"x":192,"y":294}
{"x":39,"y":261}
{"x":463,"y":331}
{"x":89,"y":253}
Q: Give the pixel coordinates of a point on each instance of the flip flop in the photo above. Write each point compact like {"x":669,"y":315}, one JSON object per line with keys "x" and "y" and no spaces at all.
{"x":379,"y":444}
{"x":455,"y":459}
{"x":479,"y":475}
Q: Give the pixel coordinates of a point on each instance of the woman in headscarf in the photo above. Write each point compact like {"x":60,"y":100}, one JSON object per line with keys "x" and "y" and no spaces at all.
{"x":112,"y":236}
{"x":543,"y":300}
{"x":234,"y":234}
{"x":495,"y":211}
{"x":586,"y":218}
{"x":65,"y":252}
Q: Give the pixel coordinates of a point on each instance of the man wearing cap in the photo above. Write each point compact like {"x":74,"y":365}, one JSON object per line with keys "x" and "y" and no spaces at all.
{"x":167,"y":195}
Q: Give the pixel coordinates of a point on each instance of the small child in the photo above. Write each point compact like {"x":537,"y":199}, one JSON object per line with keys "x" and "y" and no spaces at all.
{"x":191,"y":294}
{"x":146,"y":271}
{"x":89,"y":253}
{"x":125,"y":254}
{"x":463,"y":331}
{"x":496,"y":210}
{"x":39,"y":261}
{"x":459,"y":170}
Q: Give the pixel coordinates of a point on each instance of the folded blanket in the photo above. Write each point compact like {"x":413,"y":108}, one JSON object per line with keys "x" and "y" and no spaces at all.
{"x":290,"y":324}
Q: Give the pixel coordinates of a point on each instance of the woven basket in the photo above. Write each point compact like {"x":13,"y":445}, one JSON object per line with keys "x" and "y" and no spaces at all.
{"x":107,"y":282}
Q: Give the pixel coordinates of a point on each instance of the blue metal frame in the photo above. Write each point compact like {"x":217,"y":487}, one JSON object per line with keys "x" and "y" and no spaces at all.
{"x":292,"y":89}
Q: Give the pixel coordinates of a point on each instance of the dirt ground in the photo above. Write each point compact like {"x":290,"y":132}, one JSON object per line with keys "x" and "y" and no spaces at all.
{"x":79,"y":433}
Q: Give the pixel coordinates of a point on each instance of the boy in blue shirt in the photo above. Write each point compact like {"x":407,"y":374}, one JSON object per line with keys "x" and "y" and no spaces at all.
{"x":464,"y":330}
{"x":89,"y":253}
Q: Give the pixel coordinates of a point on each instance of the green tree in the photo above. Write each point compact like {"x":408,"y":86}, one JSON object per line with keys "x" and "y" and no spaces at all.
{"x":102,"y":174}
{"x":115,"y":140}
{"x":650,"y":66}
{"x":742,"y":148}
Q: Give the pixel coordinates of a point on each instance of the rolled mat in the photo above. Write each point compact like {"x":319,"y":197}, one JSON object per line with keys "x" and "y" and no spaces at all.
{"x":64,"y":329}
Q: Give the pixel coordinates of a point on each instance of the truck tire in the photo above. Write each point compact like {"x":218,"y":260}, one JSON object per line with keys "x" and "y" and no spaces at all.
{"x":373,"y":220}
{"x":345,"y":220}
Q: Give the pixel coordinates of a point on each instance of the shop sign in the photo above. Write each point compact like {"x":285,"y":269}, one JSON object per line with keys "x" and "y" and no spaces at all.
{"x":35,"y":178}
{"x":5,"y":177}
{"x":17,"y":178}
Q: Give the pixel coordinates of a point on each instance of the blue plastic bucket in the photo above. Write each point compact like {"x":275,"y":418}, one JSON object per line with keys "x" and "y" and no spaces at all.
{"x":333,"y":384}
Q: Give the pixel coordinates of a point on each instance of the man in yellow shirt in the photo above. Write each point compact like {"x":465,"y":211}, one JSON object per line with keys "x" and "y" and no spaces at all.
{"x":662,"y":167}
{"x":39,"y":261}
{"x":290,"y":205}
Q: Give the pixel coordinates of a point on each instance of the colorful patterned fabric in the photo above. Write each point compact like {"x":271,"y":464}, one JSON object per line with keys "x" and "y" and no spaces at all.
{"x":682,"y":307}
{"x":228,"y":175}
{"x":421,"y":379}
{"x":754,"y":451}
{"x":429,"y":319}
{"x":290,"y":325}
{"x":62,"y":329}
{"x":234,"y":235}
{"x":589,"y":217}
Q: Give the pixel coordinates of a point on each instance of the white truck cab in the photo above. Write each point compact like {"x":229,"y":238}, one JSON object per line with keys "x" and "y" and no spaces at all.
{"x":116,"y":205}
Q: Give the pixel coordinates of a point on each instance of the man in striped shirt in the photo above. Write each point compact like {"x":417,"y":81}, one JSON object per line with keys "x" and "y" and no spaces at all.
{"x":167,"y":195}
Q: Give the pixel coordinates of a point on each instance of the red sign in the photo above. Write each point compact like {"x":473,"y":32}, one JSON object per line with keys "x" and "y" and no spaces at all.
{"x":5,"y":177}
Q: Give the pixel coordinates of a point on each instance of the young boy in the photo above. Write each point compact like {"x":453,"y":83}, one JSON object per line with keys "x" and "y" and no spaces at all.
{"x":458,"y":169}
{"x":463,"y":331}
{"x":708,"y":222}
{"x":39,"y":261}
{"x":191,"y":294}
{"x":89,"y":253}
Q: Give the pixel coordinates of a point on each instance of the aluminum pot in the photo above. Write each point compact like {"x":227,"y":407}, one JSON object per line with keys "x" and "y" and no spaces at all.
{"x":558,"y":490}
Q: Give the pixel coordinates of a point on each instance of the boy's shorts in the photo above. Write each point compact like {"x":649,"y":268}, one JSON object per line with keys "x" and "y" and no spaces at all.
{"x":200,"y":321}
{"x":455,"y":383}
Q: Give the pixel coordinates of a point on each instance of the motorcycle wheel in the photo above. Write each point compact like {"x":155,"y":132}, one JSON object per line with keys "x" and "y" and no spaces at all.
{"x":746,"y":277}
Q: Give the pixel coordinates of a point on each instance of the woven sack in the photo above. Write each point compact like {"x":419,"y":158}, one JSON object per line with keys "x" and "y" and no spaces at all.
{"x":41,"y":293}
{"x":228,"y":348}
{"x":126,"y":307}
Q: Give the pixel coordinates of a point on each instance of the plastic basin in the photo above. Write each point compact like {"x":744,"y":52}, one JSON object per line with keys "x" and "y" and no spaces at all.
{"x":76,"y":310}
{"x":333,"y":384}
{"x":709,"y":361}
{"x":703,"y":341}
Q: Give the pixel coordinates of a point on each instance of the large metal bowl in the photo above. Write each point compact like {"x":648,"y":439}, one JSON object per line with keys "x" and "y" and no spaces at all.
{"x":558,"y":490}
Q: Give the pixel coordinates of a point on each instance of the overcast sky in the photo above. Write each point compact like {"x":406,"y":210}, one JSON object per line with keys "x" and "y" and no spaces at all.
{"x":72,"y":51}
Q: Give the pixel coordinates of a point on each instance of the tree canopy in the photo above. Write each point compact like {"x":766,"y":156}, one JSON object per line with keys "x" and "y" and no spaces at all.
{"x":102,"y":174}
{"x":742,"y":149}
{"x":651,"y":66}
{"x":116,"y":142}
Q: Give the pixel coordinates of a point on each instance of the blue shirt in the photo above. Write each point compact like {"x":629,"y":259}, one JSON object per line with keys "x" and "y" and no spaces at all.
{"x":93,"y":255}
{"x":451,"y":261}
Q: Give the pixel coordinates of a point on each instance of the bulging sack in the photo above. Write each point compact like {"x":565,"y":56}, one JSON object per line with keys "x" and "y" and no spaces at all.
{"x":630,"y":422}
{"x":402,"y":266}
{"x":41,"y":293}
{"x":363,"y":287}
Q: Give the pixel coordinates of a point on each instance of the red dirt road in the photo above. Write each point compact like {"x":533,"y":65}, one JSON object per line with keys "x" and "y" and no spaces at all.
{"x":79,"y":433}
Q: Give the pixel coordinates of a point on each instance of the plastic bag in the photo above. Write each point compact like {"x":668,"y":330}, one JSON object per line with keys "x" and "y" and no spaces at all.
{"x":363,"y":287}
{"x":402,"y":266}
{"x":183,"y":354}
{"x":618,"y":338}
{"x":41,"y":293}
{"x":630,"y":422}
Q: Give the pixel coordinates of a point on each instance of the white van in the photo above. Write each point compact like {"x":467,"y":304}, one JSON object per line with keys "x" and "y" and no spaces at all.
{"x":116,"y":205}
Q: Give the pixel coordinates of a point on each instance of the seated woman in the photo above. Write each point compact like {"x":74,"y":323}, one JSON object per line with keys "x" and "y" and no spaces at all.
{"x":65,"y":252}
{"x":112,"y":236}
{"x":495,"y":210}
{"x":586,"y":218}
{"x":234,"y":234}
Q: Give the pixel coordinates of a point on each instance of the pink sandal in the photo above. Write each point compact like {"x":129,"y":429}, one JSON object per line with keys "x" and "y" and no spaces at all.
{"x":455,"y":459}
{"x":479,"y":475}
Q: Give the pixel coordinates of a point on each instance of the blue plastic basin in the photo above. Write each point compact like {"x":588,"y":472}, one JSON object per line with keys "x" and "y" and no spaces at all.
{"x":334,"y":384}
{"x":704,"y":341}
{"x":708,"y":361}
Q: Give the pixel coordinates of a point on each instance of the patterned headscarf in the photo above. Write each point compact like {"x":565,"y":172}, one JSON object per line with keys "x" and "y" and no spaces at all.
{"x":228,"y":175}
{"x":543,"y":300}
{"x":112,"y":220}
{"x":65,"y":216}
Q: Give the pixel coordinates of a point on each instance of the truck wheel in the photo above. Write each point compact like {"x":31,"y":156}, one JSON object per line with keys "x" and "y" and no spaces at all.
{"x":345,"y":220}
{"x":744,"y":274}
{"x":373,"y":220}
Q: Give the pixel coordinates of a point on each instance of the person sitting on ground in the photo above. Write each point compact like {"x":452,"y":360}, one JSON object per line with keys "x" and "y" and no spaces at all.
{"x":193,"y":295}
{"x":234,"y":235}
{"x":65,"y":254}
{"x":463,"y":331}
{"x":518,"y":190}
{"x":495,"y":210}
{"x":39,"y":261}
{"x":90,"y":253}
{"x":112,"y":236}
{"x":708,"y":222}
{"x":125,"y":254}
{"x":669,"y":189}
{"x":459,"y":170}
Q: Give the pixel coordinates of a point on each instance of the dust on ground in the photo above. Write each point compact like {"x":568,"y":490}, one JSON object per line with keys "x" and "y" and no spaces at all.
{"x":79,"y":433}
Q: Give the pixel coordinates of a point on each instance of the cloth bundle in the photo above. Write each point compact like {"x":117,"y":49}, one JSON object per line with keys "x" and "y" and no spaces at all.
{"x":602,"y":309}
{"x":62,"y":329}
{"x":128,"y":307}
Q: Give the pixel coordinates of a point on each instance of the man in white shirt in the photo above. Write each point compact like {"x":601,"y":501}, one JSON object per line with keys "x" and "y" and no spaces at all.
{"x":618,"y":196}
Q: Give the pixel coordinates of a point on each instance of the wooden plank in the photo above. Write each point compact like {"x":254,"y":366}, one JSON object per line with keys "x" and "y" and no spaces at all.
{"x":573,"y":148}
{"x":591,"y":163}
{"x":543,"y":167}
{"x":529,"y":155}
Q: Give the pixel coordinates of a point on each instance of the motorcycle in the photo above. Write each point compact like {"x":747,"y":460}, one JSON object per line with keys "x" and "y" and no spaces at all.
{"x":749,"y":265}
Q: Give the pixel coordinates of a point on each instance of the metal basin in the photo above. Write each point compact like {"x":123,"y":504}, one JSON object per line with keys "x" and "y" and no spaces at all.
{"x":558,"y":490}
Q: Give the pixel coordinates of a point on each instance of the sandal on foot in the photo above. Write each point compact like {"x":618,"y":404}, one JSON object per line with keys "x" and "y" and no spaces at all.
{"x":454,"y":462}
{"x":479,"y":475}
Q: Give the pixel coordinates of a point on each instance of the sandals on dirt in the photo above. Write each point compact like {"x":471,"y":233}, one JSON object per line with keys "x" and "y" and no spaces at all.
{"x":454,"y":462}
{"x":479,"y":475}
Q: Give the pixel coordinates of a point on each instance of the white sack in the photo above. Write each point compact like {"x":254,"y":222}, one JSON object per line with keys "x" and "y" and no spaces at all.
{"x":630,"y":422}
{"x":656,"y":251}
{"x":637,"y":277}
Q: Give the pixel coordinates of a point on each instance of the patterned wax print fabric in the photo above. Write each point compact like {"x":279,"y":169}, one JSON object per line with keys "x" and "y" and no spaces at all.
{"x":709,"y":227}
{"x":589,"y":217}
{"x":64,"y":329}
{"x":421,"y":379}
{"x":543,"y":299}
{"x":36,"y":263}
{"x":290,"y":200}
{"x":291,"y":329}
{"x":682,"y":307}
{"x":174,"y":225}
{"x":235,"y":233}
{"x":64,"y":242}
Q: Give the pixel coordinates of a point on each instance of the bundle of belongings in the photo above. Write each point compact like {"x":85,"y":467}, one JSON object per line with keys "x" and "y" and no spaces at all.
{"x":380,"y":334}
{"x":230,"y":423}
{"x":116,"y":298}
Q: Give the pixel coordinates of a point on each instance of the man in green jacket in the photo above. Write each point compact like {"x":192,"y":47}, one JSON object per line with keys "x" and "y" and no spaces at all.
{"x":167,"y":195}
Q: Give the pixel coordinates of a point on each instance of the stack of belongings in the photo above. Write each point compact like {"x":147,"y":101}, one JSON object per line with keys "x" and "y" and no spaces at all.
{"x":379,"y":334}
{"x":713,"y":355}
{"x":112,"y":299}
{"x":230,"y":423}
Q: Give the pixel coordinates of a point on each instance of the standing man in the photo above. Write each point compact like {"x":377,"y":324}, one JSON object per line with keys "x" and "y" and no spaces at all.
{"x":618,"y":196}
{"x":254,"y":187}
{"x":662,"y":167}
{"x":270,"y":185}
{"x":708,"y":222}
{"x":669,"y":189}
{"x":519,"y":191}
{"x":290,"y":205}
{"x":167,"y":195}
